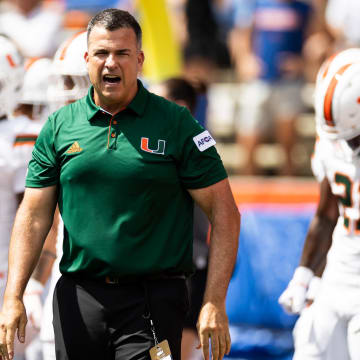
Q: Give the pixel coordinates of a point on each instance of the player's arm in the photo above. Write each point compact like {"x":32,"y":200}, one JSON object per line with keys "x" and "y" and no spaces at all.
{"x":218,"y":203}
{"x":319,"y":236}
{"x":317,"y":243}
{"x":32,"y":224}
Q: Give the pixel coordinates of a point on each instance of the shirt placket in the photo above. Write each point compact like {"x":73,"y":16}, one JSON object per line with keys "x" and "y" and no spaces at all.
{"x":112,"y":133}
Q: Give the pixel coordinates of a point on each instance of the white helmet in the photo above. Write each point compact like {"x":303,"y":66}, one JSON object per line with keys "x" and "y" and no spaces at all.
{"x":336,"y":108}
{"x":34,"y":90}
{"x":69,"y":71}
{"x":11,"y":76}
{"x":36,"y":81}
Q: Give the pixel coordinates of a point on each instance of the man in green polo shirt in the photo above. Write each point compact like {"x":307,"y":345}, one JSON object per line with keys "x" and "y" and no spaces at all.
{"x":124,"y":166}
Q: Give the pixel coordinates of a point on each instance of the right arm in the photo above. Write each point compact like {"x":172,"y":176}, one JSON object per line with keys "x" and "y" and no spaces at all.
{"x":32,"y":224}
{"x":317,"y":243}
{"x":319,"y":236}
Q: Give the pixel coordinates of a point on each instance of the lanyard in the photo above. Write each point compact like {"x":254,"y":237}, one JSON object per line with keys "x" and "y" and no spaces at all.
{"x":147,"y":314}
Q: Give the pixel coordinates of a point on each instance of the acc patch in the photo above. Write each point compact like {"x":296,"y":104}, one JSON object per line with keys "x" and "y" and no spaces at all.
{"x":204,"y":140}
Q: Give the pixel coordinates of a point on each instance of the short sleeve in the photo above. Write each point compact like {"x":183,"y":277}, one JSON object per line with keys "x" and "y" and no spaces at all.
{"x":243,"y":13}
{"x":199,"y":163}
{"x":317,"y":164}
{"x":336,"y":13}
{"x":43,"y":169}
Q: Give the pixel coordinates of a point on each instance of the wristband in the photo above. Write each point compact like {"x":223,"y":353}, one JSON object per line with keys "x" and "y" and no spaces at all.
{"x":303,"y":276}
{"x":34,"y":287}
{"x":313,"y":288}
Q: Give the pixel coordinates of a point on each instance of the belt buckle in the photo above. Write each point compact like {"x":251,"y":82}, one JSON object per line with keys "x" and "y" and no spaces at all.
{"x":111,"y":280}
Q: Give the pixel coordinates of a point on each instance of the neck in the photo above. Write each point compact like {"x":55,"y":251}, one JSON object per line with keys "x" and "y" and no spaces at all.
{"x":114,"y":107}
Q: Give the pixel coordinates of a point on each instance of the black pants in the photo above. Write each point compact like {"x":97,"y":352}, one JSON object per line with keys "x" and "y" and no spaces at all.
{"x":95,"y":320}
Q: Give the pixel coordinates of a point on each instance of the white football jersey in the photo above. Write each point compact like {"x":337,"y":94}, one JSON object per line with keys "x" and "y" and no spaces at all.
{"x":334,"y":160}
{"x":17,"y":138}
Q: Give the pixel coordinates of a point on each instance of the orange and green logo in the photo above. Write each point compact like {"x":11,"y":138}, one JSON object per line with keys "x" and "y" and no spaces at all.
{"x":160,"y":146}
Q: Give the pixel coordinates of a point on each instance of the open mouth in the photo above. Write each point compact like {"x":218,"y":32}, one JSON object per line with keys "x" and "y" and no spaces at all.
{"x":111,"y":79}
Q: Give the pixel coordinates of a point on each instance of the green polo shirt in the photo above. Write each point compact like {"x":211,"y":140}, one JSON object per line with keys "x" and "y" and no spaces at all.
{"x":123,"y":184}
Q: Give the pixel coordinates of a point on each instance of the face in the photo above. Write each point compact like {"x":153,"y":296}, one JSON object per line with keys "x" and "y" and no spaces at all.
{"x":114,"y":61}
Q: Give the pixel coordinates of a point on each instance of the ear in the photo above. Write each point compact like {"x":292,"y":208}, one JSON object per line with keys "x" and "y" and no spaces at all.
{"x":140,"y":58}
{"x":86,"y":57}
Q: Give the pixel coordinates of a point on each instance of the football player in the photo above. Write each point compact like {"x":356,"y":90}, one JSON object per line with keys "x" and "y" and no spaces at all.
{"x":330,"y":328}
{"x":17,"y":137}
{"x":12,"y":137}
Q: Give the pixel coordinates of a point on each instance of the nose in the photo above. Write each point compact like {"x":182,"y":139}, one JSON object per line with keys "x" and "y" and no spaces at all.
{"x":110,"y":61}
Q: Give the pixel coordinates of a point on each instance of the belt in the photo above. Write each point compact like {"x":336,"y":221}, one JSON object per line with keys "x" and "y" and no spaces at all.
{"x":121,"y":280}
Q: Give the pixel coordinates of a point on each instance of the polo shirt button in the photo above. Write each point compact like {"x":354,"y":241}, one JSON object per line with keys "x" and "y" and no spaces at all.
{"x":113,"y":135}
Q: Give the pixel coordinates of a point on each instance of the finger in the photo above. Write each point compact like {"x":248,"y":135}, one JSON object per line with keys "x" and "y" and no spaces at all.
{"x":204,"y":343}
{"x":228,"y":343}
{"x":21,"y":328}
{"x":3,"y":351}
{"x":10,"y":334}
{"x":214,"y":346}
{"x":222,"y":346}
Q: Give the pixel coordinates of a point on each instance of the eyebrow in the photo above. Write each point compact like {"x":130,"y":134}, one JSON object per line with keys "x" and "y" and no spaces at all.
{"x":122,"y":50}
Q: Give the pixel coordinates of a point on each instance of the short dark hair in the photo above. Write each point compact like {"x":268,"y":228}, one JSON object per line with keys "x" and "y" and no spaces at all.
{"x":113,"y":19}
{"x":180,"y":89}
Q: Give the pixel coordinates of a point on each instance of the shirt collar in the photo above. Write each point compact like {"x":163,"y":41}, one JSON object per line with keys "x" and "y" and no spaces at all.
{"x":137,"y":104}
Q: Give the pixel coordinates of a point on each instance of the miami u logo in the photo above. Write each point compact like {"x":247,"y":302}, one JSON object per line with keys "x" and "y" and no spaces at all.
{"x":145,"y":146}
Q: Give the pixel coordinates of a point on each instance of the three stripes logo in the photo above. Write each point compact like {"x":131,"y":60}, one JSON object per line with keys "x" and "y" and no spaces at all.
{"x":74,"y":148}
{"x":145,"y":146}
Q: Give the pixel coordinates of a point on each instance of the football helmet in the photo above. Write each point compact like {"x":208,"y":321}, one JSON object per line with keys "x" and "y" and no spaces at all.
{"x":69,"y":71}
{"x":11,"y":76}
{"x":34,"y":90}
{"x":337,"y":96}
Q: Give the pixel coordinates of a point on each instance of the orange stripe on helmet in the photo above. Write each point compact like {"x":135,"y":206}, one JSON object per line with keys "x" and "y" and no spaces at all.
{"x":328,"y":63}
{"x":10,"y":60}
{"x":330,"y":94}
{"x":67,"y":44}
{"x":31,"y":61}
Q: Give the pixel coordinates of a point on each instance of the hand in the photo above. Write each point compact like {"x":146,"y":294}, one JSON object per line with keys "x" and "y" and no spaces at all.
{"x":249,"y":67}
{"x":293,"y":299}
{"x":12,"y":318}
{"x":32,"y":302}
{"x":213,"y":325}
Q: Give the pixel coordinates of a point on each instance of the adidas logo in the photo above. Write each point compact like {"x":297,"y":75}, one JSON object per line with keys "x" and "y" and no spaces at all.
{"x":74,"y":148}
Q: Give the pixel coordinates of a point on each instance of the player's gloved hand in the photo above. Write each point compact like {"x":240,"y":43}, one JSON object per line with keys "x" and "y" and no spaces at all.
{"x":293,"y":299}
{"x":32,"y":302}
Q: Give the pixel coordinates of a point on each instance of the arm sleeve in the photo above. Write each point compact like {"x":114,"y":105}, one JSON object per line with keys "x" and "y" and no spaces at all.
{"x":43,"y":168}
{"x":199,"y":162}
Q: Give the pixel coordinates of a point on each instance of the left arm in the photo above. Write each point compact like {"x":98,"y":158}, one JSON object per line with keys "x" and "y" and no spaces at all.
{"x":218,"y":203}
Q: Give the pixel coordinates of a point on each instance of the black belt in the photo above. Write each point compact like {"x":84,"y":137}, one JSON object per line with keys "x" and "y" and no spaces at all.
{"x":123,"y":280}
